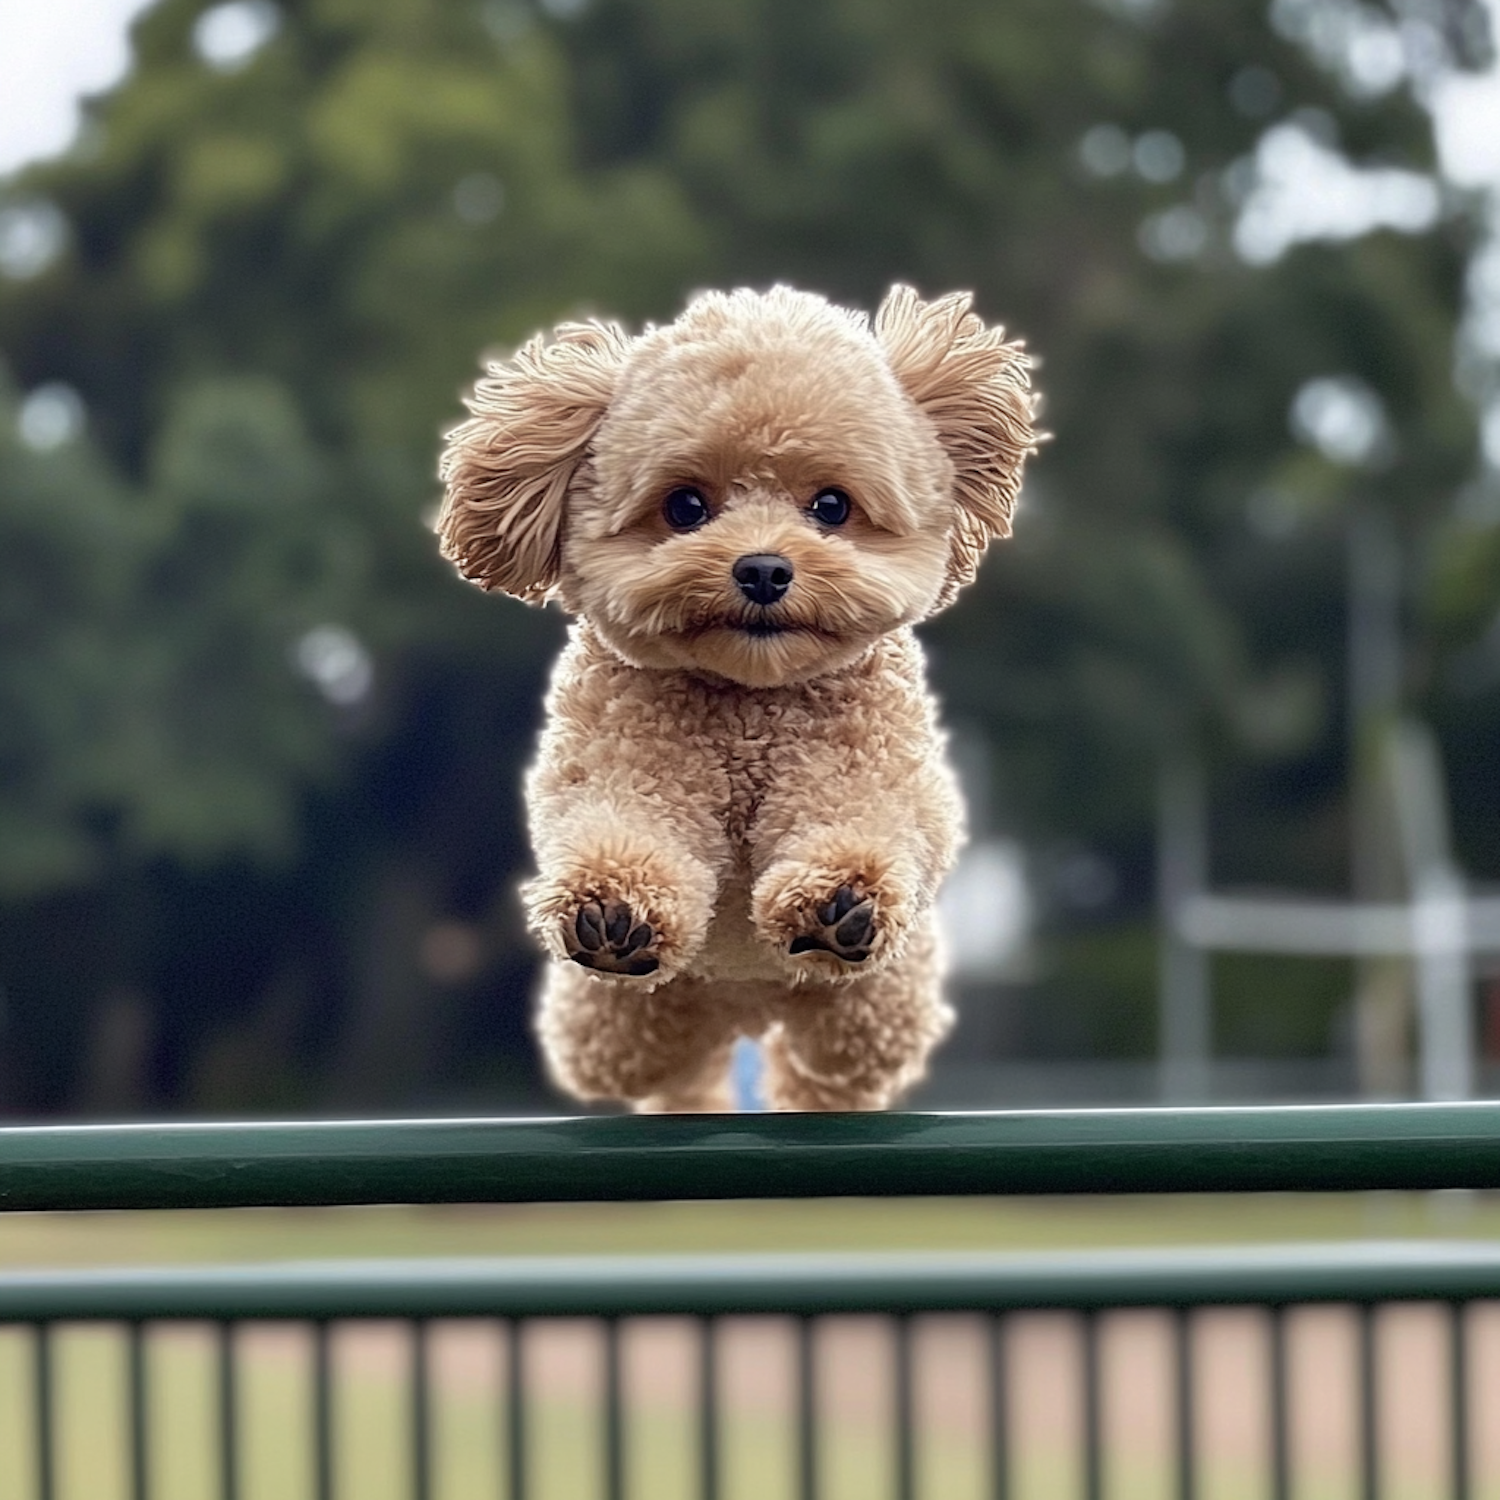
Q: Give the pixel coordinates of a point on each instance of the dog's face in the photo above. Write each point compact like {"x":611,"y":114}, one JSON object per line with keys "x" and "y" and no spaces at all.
{"x":757,"y":491}
{"x":764,"y":500}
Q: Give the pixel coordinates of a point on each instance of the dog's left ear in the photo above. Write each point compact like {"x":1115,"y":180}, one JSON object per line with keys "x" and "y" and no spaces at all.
{"x":508,"y":469}
{"x":975,"y":389}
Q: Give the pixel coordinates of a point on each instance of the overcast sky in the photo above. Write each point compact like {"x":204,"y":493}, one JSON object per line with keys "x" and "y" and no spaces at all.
{"x":51,"y":51}
{"x":1467,"y":111}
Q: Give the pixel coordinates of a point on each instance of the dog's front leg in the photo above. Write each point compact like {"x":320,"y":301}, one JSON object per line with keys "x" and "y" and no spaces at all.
{"x":617,"y":896}
{"x":843,"y":898}
{"x":846,"y":901}
{"x":856,"y":832}
{"x":625,"y":826}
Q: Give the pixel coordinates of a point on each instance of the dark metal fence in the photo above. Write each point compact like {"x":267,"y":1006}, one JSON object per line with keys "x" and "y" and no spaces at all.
{"x":987,"y":1309}
{"x":1321,"y":1148}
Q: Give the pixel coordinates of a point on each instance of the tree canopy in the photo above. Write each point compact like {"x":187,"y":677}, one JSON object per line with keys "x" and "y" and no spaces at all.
{"x":260,"y":748}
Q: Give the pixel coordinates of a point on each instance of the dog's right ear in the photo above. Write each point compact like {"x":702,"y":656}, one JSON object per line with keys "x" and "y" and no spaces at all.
{"x":507,"y":470}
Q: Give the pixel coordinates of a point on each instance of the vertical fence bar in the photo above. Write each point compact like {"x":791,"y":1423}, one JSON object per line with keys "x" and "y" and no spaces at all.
{"x":999,"y":1409}
{"x":1458,"y":1380}
{"x":135,"y":1352}
{"x":807,"y":1412}
{"x":1369,"y":1435}
{"x":1187,"y":1459}
{"x":229,"y":1487}
{"x":708,"y":1409}
{"x":1281,"y":1471}
{"x":906,"y":1452}
{"x":1093,"y":1437}
{"x":46,"y":1475}
{"x":421,"y":1409}
{"x":515,"y":1409}
{"x":322,"y":1414}
{"x":614,"y":1419}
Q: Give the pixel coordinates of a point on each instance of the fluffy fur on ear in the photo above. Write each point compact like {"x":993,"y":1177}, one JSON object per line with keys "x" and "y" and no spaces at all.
{"x":975,"y":389}
{"x":507,"y":470}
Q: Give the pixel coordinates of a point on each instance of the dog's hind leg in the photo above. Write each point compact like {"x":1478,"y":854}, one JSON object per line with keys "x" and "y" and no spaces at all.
{"x":707,"y":1092}
{"x":661,"y":1050}
{"x":859,"y":1044}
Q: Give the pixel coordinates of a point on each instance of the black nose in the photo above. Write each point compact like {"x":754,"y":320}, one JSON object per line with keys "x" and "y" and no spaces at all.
{"x":763,"y":578}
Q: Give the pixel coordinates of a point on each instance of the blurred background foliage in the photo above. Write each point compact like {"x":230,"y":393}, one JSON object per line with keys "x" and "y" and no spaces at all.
{"x":260,"y":750}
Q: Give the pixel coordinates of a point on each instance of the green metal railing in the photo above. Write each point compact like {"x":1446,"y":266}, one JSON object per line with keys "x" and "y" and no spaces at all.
{"x":1317,"y":1148}
{"x":607,"y":1159}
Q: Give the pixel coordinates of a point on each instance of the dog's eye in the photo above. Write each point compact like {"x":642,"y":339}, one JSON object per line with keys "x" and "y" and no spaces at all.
{"x":831,"y":507}
{"x":685,"y":509}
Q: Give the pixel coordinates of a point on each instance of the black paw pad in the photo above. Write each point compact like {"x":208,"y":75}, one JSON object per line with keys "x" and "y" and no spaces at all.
{"x":846,"y":927}
{"x":610,"y":940}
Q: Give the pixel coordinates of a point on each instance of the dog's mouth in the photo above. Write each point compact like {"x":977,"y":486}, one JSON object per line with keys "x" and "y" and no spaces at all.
{"x":758,"y":627}
{"x":754,"y":625}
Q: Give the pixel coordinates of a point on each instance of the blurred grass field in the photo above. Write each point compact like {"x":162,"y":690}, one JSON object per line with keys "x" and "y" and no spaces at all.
{"x":84,"y":1239}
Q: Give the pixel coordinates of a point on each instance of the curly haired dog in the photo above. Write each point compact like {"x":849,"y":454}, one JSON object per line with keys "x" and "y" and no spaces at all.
{"x":741,"y":809}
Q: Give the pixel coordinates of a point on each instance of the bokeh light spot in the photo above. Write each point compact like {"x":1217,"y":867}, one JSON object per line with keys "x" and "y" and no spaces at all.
{"x":32,"y":235}
{"x":229,"y":35}
{"x":51,"y":417}
{"x":1343,"y":419}
{"x":336,"y":662}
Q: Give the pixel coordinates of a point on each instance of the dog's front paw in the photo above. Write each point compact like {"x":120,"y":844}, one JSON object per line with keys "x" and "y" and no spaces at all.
{"x":835,"y":919}
{"x":608,"y":936}
{"x":622,"y":918}
{"x":845,"y":926}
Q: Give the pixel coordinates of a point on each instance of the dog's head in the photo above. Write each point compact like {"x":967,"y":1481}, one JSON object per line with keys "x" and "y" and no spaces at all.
{"x":758,"y":490}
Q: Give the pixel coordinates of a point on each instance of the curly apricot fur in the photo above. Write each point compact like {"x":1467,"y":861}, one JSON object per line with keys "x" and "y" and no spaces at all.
{"x":741,"y":810}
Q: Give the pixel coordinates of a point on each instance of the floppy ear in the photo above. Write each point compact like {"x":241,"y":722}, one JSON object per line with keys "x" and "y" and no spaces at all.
{"x":975,"y":389}
{"x":507,"y":470}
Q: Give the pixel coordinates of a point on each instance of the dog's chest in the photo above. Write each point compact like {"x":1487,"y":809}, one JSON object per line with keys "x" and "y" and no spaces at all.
{"x":746,"y":736}
{"x":749,"y":747}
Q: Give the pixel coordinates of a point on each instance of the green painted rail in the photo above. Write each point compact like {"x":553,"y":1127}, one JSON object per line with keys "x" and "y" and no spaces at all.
{"x":745,"y":1285}
{"x":1308,"y":1149}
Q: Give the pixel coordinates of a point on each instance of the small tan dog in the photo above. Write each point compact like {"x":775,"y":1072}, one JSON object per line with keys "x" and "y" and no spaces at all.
{"x":741,"y":809}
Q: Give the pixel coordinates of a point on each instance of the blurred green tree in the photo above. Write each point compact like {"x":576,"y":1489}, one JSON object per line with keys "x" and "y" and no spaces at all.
{"x":150,"y":706}
{"x":283,"y":242}
{"x":68,"y":550}
{"x":265,"y":747}
{"x":1085,"y":168}
{"x":1105,"y":176}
